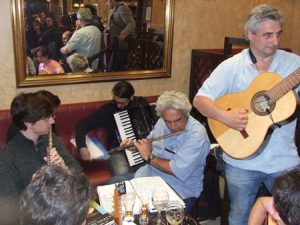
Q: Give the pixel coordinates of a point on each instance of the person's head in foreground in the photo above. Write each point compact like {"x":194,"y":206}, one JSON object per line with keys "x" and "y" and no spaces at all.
{"x":286,"y":195}
{"x":55,"y":196}
{"x":174,"y":108}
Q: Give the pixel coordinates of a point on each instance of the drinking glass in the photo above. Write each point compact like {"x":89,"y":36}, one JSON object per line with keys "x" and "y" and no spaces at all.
{"x":144,"y":215}
{"x":174,"y":213}
{"x":160,"y":200}
{"x":128,"y":202}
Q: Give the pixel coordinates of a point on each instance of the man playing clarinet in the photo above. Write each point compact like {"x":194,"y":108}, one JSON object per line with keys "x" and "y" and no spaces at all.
{"x":27,"y":151}
{"x":179,"y":159}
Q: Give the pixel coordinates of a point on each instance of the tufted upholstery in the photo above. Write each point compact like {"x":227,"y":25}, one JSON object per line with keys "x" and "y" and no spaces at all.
{"x":67,"y":116}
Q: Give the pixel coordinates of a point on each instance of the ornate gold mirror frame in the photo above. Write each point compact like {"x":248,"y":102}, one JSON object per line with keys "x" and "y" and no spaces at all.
{"x":23,"y":80}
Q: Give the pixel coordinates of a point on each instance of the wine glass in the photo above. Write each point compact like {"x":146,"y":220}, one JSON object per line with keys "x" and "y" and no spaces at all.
{"x":174,"y":213}
{"x":160,"y":200}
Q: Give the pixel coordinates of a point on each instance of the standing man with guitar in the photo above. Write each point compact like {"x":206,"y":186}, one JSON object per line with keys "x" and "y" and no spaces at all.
{"x":277,"y":152}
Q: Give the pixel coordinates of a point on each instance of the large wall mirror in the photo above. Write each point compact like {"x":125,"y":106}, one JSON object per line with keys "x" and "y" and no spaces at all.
{"x":149,"y":47}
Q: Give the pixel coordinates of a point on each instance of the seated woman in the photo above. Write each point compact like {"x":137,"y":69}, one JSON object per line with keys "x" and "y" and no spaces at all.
{"x":47,"y":65}
{"x":78,"y":63}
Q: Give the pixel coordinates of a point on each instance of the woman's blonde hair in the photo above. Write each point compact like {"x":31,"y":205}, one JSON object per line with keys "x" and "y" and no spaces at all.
{"x":78,"y":63}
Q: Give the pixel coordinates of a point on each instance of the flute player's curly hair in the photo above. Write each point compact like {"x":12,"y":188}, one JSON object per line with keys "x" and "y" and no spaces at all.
{"x":173,"y":100}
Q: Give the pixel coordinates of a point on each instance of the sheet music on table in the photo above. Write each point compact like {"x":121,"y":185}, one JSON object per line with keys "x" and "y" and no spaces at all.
{"x":106,"y":197}
{"x":143,"y":186}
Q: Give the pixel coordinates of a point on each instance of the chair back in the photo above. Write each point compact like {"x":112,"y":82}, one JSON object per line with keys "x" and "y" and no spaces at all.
{"x":230,"y":41}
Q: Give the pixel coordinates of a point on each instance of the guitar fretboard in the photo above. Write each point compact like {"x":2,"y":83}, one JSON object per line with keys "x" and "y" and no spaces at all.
{"x":284,"y":86}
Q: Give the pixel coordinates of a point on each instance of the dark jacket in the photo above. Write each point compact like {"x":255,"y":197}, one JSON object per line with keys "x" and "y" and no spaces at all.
{"x":121,"y":20}
{"x":103,"y":118}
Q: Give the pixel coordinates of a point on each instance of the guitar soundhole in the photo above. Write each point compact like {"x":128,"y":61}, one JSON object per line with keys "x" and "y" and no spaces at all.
{"x":260,"y":104}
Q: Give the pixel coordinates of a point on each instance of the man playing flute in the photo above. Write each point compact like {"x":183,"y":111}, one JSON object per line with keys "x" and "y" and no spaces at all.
{"x":179,"y":159}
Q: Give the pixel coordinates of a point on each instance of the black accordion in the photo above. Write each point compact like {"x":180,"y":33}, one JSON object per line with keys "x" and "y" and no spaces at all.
{"x":135,"y":123}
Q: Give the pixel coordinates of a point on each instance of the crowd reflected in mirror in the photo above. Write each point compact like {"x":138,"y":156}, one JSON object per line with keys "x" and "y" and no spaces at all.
{"x":115,"y":43}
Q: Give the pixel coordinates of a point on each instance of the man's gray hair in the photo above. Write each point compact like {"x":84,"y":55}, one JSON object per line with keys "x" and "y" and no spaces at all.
{"x":260,"y":14}
{"x":173,"y":100}
{"x":85,"y":15}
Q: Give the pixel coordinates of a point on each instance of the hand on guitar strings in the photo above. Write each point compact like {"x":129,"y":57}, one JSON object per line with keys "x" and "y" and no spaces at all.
{"x":236,"y":118}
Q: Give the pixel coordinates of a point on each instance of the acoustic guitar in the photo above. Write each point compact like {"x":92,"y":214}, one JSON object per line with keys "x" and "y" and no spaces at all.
{"x":269,"y":99}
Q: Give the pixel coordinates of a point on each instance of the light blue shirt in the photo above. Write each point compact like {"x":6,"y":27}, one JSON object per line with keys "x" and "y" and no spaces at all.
{"x":235,"y":75}
{"x":187,"y":154}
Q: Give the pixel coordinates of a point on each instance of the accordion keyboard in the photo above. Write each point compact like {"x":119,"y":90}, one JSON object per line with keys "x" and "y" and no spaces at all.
{"x":126,"y":132}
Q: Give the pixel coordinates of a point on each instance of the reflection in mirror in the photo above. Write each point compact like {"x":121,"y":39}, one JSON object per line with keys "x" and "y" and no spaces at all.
{"x":47,"y":32}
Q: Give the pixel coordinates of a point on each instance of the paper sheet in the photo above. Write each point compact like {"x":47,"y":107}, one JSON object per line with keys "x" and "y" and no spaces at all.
{"x":95,"y":147}
{"x":143,"y":186}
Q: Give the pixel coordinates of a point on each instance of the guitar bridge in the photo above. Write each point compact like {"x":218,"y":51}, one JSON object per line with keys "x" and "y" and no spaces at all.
{"x":244,"y":134}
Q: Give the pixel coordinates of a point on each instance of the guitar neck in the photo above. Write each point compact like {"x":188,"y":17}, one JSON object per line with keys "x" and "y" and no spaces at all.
{"x":283,"y":87}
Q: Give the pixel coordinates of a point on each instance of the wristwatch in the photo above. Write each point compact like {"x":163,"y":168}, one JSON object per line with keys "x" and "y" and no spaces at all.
{"x":150,"y":157}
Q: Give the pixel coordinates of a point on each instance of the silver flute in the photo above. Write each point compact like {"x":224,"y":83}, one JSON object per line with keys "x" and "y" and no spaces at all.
{"x":131,"y":147}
